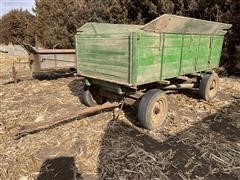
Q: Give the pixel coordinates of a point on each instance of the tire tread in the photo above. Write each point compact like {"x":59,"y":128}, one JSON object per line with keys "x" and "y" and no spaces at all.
{"x":143,"y":107}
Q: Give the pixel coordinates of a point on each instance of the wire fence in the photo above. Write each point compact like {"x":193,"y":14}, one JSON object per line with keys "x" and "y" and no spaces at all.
{"x":14,"y":68}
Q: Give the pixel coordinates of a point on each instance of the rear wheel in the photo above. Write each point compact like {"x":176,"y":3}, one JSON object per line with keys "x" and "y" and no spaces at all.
{"x":153,"y":109}
{"x":208,"y":87}
{"x":91,"y":96}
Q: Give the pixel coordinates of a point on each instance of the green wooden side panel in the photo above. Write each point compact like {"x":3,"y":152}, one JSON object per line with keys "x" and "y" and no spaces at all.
{"x":103,"y":57}
{"x":210,"y":48}
{"x":216,"y":51}
{"x":147,"y":58}
{"x":171,"y":55}
{"x":203,"y":54}
{"x":189,"y":54}
{"x":185,"y":54}
{"x":165,"y":56}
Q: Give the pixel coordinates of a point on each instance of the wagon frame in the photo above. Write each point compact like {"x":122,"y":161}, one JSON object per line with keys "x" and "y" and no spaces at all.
{"x":137,"y":63}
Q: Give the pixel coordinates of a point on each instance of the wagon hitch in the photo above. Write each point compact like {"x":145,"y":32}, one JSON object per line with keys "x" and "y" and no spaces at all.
{"x":64,"y":119}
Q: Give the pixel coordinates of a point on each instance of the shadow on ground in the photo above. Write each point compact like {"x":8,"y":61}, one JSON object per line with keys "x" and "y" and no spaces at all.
{"x":53,"y":75}
{"x":60,"y":168}
{"x":206,"y":150}
{"x":76,"y":88}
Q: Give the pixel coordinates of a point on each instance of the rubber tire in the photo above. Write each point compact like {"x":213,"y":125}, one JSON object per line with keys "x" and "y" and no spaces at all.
{"x":87,"y":97}
{"x":205,"y":85}
{"x":146,"y":107}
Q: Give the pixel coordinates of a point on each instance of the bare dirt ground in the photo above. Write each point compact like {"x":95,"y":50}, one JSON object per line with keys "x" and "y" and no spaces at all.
{"x":200,"y":141}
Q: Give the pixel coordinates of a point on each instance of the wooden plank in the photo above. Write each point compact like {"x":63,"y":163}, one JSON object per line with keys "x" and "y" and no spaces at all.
{"x":104,"y":57}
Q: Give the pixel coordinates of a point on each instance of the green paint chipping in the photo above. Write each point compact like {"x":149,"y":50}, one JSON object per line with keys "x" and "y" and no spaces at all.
{"x":134,"y":55}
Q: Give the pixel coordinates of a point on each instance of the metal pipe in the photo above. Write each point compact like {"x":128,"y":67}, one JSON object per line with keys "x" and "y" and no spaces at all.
{"x":55,"y":51}
{"x":180,"y":86}
{"x":37,"y":127}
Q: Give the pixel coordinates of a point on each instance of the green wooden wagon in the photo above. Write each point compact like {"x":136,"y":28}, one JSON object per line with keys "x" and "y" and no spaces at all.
{"x":137,"y":63}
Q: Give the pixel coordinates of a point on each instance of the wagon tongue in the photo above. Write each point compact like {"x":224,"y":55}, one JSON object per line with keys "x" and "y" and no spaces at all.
{"x":178,"y":24}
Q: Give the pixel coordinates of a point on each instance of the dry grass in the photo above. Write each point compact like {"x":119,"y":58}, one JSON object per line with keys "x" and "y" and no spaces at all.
{"x":200,"y":141}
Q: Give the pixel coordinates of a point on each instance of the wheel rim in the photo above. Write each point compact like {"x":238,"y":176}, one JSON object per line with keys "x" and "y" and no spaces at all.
{"x":158,"y":112}
{"x":213,"y":88}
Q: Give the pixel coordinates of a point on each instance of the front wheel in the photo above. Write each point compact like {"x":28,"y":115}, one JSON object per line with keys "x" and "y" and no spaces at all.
{"x":153,"y":109}
{"x":91,"y":96}
{"x":208,"y":87}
